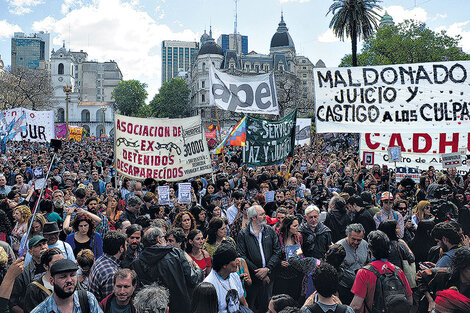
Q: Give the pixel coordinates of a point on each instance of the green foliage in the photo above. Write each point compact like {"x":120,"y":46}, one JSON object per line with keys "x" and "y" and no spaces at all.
{"x":354,"y":19}
{"x":129,"y":96}
{"x":171,"y":100}
{"x":144,"y":111}
{"x":408,"y":42}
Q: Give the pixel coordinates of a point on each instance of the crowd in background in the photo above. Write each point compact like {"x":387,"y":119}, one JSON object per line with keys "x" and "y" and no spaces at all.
{"x":318,"y":232}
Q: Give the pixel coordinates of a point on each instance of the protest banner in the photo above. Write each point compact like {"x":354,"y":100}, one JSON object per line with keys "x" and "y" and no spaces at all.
{"x":23,"y":124}
{"x":60,"y":131}
{"x":184,"y":192}
{"x":421,"y":97}
{"x":243,"y":94}
{"x":303,"y":130}
{"x":450,"y":160}
{"x":163,"y":195}
{"x":269,"y":142}
{"x":419,"y":150}
{"x":163,"y":149}
{"x":75,"y":133}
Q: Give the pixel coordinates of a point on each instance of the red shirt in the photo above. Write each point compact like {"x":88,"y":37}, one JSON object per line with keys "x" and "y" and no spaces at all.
{"x":364,"y":285}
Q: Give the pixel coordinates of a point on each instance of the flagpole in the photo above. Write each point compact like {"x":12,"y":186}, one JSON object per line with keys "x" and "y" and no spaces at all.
{"x":220,"y":131}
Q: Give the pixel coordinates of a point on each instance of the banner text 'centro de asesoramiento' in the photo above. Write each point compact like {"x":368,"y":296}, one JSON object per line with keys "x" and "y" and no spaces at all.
{"x":163,"y":149}
{"x":421,"y":97}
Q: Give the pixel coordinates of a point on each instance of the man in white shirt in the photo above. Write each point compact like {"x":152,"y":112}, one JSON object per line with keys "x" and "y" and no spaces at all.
{"x":223,"y":277}
{"x":237,"y":196}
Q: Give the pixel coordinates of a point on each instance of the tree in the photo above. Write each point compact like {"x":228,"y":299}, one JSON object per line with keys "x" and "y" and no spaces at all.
{"x":31,"y":89}
{"x":171,"y":100}
{"x":354,"y":19}
{"x":129,"y":96}
{"x":408,"y":42}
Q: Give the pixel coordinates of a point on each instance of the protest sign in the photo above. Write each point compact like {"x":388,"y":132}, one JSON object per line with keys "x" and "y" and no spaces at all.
{"x":23,"y":124}
{"x":419,"y":150}
{"x":405,"y":171}
{"x":75,"y":133}
{"x":421,"y":97}
{"x":243,"y":94}
{"x":60,"y":131}
{"x":163,"y":195}
{"x":184,"y":192}
{"x":39,"y":178}
{"x":269,"y":142}
{"x":450,"y":160}
{"x":269,"y":196}
{"x":302,"y":131}
{"x":163,"y":149}
{"x":394,"y":153}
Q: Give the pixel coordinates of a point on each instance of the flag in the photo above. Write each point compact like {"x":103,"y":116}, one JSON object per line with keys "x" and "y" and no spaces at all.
{"x":236,"y":137}
{"x":211,"y":127}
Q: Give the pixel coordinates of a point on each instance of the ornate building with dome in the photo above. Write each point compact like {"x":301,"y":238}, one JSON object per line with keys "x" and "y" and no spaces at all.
{"x":293,"y":75}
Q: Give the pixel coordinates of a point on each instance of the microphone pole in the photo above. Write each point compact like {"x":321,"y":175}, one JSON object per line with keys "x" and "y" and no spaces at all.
{"x":55,"y":144}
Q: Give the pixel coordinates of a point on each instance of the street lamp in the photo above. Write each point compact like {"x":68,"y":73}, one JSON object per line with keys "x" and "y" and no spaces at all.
{"x":103,"y":108}
{"x":67,"y":90}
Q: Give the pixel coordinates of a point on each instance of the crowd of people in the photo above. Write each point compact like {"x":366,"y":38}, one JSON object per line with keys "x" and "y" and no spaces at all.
{"x":317,"y":233}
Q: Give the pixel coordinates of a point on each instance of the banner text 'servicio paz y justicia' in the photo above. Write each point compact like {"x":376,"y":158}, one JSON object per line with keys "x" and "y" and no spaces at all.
{"x":163,"y":149}
{"x":269,"y":142}
{"x":421,"y":97}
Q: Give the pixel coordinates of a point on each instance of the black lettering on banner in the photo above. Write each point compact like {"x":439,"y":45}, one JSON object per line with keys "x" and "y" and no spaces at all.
{"x":451,"y":73}
{"x":193,"y":147}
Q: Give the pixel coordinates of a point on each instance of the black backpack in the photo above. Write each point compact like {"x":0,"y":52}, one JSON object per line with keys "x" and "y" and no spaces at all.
{"x":315,"y":308}
{"x":390,"y":294}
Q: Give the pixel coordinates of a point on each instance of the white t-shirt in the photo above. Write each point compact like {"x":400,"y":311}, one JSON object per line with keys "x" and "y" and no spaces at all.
{"x":229,"y":302}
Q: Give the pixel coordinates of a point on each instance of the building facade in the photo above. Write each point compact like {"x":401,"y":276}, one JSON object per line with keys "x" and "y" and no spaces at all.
{"x":177,"y":58}
{"x":29,"y":51}
{"x":293,"y":75}
{"x":92,"y":83}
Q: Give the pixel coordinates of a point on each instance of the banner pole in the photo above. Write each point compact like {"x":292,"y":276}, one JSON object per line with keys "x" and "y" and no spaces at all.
{"x":220,"y":132}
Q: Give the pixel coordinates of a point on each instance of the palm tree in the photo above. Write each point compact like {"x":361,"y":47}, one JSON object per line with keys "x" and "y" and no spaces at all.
{"x":355,"y":19}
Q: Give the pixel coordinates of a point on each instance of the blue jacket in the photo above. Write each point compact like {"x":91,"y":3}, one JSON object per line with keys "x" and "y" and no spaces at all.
{"x":96,"y":244}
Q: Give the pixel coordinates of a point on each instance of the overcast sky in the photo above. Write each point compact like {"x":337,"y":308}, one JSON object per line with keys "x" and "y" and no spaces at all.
{"x":131,"y":32}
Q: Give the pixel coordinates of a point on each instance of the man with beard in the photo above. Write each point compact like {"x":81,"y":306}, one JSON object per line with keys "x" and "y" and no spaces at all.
{"x":125,"y":282}
{"x":51,"y":233}
{"x":316,"y":236}
{"x":224,"y":193}
{"x":134,"y":237}
{"x":65,"y":298}
{"x":37,"y":245}
{"x":102,"y":272}
{"x":279,"y":200}
{"x":58,"y":201}
{"x":448,"y":239}
{"x":92,"y":205}
{"x":259,"y":245}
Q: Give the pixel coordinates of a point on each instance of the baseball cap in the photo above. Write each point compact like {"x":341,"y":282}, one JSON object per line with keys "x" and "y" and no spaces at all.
{"x":64,"y":265}
{"x":386,"y":196}
{"x":35,"y":240}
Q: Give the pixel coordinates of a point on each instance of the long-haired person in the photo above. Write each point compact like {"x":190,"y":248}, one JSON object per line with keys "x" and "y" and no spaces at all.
{"x":84,"y":236}
{"x":204,"y":299}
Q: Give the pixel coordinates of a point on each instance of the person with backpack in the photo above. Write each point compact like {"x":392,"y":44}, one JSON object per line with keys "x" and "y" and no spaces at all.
{"x":381,"y":286}
{"x":326,"y":282}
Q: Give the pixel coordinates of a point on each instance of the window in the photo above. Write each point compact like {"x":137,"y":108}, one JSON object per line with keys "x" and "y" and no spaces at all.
{"x":61,"y":69}
{"x":60,"y":115}
{"x":203,"y":98}
{"x":203,"y":84}
{"x":203,"y":67}
{"x":304,"y":75}
{"x":304,"y":67}
{"x":86,"y":115}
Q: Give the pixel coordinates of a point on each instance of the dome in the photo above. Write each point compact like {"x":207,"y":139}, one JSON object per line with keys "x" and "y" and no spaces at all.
{"x":282,"y":37}
{"x":204,"y":38}
{"x":386,"y":19}
{"x":210,"y":47}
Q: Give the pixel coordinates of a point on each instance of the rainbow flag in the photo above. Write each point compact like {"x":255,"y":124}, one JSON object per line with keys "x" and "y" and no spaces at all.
{"x":236,"y":137}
